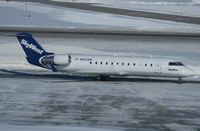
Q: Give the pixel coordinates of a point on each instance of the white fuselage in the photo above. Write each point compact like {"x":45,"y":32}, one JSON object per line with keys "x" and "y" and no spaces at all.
{"x":122,"y":66}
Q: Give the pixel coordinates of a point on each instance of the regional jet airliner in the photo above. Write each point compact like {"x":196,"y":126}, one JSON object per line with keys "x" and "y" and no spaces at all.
{"x":101,"y":66}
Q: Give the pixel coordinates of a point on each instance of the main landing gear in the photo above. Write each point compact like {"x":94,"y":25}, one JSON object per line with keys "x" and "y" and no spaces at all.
{"x":102,"y":78}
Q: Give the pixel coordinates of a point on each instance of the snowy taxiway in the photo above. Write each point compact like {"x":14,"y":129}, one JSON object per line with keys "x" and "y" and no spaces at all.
{"x":42,"y":15}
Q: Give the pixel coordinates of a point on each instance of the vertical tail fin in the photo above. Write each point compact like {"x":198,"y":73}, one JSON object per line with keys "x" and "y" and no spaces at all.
{"x":30,"y":45}
{"x":32,"y":48}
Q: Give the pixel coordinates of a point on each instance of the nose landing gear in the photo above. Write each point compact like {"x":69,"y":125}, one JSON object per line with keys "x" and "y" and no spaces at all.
{"x":180,"y":80}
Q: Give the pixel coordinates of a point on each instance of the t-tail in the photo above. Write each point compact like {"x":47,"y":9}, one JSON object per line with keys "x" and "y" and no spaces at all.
{"x":33,"y":50}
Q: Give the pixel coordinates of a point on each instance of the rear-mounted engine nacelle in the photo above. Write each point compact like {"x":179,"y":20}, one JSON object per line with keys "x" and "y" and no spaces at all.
{"x":57,"y":60}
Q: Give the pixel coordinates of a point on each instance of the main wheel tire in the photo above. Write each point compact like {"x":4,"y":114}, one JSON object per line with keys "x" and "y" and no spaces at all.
{"x":102,"y":78}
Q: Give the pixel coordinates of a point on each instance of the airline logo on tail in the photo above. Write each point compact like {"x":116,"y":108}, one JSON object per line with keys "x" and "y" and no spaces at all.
{"x":31,"y":46}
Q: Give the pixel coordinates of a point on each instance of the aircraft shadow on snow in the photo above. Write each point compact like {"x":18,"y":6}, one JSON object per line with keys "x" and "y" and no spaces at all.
{"x":74,"y":78}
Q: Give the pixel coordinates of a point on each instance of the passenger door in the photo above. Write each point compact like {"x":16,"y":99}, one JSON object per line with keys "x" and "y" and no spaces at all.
{"x":158,"y":68}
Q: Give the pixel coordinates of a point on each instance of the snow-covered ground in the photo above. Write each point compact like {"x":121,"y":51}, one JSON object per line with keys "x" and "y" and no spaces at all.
{"x":176,"y":9}
{"x":13,"y":14}
{"x":44,"y":101}
{"x":182,"y":7}
{"x":152,"y":2}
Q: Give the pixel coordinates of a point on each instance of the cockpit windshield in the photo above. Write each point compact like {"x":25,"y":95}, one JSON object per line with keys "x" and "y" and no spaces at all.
{"x":175,"y":64}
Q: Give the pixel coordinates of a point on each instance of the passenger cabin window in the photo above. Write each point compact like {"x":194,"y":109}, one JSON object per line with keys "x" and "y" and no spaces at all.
{"x":175,"y":64}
